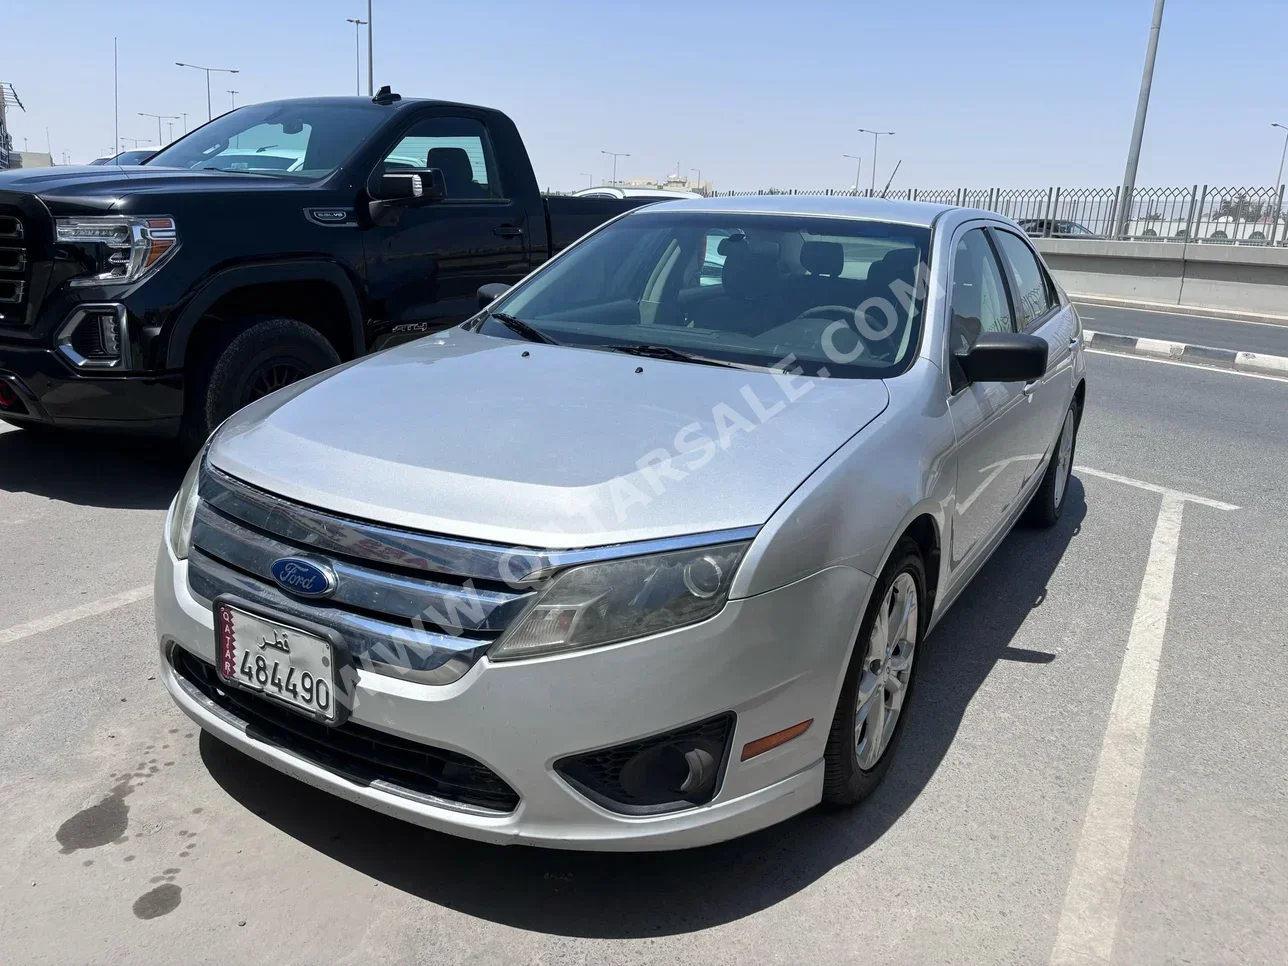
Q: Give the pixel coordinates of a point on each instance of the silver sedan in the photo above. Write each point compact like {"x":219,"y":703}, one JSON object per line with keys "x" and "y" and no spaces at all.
{"x":642,"y":555}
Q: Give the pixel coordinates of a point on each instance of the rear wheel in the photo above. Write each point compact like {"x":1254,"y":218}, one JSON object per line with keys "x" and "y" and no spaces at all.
{"x":1048,"y":502}
{"x":874,"y":697}
{"x":248,"y":364}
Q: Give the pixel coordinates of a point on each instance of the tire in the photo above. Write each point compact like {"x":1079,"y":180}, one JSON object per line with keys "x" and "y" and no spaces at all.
{"x":250,"y":361}
{"x":849,"y":774}
{"x":1048,"y":502}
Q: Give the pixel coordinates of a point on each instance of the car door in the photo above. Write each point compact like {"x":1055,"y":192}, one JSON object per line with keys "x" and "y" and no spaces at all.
{"x":989,"y":418}
{"x":1039,"y":311}
{"x":425,"y":267}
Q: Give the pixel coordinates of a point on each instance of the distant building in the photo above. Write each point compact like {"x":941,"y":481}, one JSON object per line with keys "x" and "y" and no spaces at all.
{"x":672,"y":182}
{"x":30,"y":159}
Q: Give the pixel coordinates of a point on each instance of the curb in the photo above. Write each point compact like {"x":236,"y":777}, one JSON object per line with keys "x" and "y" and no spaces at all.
{"x":1202,"y":355}
{"x":1206,"y":312}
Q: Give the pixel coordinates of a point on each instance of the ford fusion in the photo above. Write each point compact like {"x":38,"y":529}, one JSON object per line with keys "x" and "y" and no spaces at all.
{"x":643,"y":555}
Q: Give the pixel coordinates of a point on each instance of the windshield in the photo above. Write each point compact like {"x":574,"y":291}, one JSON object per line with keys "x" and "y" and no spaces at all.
{"x":301,"y":140}
{"x":836,"y":295}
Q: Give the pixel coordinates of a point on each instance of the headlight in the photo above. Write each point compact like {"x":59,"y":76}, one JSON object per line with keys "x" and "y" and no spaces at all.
{"x":184,"y":509}
{"x":620,"y":599}
{"x":118,"y":249}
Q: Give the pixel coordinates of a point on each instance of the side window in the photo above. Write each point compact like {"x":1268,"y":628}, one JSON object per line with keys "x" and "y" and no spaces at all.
{"x":712,"y":266}
{"x":978,"y":302}
{"x":1034,"y":297}
{"x":457,"y":146}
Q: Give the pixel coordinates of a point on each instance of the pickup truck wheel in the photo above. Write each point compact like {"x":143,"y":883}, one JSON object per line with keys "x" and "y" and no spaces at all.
{"x":248,"y":364}
{"x":874,"y":698}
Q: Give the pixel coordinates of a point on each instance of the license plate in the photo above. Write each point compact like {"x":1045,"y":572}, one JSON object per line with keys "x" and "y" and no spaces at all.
{"x":281,"y":661}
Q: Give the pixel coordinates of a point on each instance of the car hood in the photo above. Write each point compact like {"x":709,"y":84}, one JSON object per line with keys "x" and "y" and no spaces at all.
{"x":101,"y":187}
{"x":545,"y":446}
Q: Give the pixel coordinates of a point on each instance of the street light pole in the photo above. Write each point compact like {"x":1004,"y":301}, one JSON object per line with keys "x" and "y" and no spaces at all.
{"x":875,"y":136}
{"x":616,"y":155}
{"x":590,"y":179}
{"x":357,"y":53}
{"x":371,"y":73}
{"x":232,"y":98}
{"x":160,"y":118}
{"x":1280,"y":179}
{"x":857,"y":168}
{"x":185,"y":121}
{"x":1138,"y":128}
{"x":208,"y":70}
{"x":698,"y":172}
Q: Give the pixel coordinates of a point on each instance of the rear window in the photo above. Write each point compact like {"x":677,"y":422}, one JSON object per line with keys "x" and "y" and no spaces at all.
{"x":838,"y":296}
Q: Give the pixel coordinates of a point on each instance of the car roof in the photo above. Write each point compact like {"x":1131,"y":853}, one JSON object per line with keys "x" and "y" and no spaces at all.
{"x":835,"y":206}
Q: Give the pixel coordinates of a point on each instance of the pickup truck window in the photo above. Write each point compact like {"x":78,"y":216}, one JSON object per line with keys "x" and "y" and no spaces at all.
{"x":457,"y":146}
{"x":836,"y":294}
{"x":301,"y":140}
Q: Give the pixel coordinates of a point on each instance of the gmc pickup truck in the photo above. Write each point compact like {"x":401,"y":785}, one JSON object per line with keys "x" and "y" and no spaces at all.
{"x":272,"y":243}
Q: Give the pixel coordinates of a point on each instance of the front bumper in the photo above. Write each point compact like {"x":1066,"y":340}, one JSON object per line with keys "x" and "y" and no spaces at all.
{"x":773,"y":660}
{"x":51,"y":392}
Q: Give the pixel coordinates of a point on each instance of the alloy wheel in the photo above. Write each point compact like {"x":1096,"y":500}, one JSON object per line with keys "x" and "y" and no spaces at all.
{"x":1064,"y":459}
{"x":887,"y":671}
{"x":272,"y":377}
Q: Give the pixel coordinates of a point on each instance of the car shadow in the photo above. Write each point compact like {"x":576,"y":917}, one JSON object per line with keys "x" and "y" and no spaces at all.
{"x":615,"y":895}
{"x":91,"y":469}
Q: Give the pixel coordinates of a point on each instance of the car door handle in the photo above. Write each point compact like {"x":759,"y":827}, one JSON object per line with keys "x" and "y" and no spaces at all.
{"x":508,"y":231}
{"x":1073,"y":343}
{"x":1031,"y":387}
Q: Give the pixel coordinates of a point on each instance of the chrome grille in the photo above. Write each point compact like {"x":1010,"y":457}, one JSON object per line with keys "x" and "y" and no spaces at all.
{"x":397,"y":615}
{"x":14,"y":270}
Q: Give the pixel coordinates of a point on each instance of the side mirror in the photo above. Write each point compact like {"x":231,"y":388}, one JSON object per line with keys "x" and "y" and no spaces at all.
{"x":410,"y":186}
{"x":1004,"y":357}
{"x":490,"y":292}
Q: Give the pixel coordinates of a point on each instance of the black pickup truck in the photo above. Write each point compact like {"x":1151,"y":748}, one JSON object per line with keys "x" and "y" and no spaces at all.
{"x":272,"y":243}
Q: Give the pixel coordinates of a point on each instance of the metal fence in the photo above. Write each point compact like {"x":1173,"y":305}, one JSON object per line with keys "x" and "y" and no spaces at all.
{"x":1201,"y":213}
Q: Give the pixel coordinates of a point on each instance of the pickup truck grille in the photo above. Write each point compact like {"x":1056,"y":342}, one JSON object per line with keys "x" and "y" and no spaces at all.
{"x":400,"y":611}
{"x":15,"y":269}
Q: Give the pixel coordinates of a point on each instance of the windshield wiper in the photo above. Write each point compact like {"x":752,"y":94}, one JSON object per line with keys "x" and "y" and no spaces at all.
{"x":522,"y":328}
{"x":675,"y":355}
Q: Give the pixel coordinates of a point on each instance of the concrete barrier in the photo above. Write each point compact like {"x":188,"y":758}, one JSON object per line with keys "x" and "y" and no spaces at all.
{"x":1247,"y":279}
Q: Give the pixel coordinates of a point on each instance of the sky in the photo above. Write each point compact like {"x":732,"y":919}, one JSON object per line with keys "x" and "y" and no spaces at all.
{"x":982,"y":93}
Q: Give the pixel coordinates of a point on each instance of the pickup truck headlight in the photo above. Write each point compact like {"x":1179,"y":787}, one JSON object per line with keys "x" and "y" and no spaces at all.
{"x":121,"y":249}
{"x":603,"y":603}
{"x":184,"y":509}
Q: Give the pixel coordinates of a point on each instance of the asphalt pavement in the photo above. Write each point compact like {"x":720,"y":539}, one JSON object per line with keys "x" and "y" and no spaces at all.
{"x":1219,"y":333}
{"x":131,"y":838}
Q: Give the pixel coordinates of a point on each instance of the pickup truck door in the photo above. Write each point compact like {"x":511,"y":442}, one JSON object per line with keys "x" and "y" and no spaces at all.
{"x":424,"y":270}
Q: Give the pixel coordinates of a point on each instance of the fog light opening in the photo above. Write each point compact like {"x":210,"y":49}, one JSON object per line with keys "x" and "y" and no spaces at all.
{"x":9,"y":400}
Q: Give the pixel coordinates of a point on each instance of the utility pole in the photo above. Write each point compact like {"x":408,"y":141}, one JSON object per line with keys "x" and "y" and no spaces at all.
{"x":208,"y":70}
{"x":857,"y":168}
{"x":371,"y":73}
{"x":1138,"y":129}
{"x":116,"y":97}
{"x":1280,"y":179}
{"x":876,"y":135}
{"x":357,"y":53}
{"x":160,"y":118}
{"x":616,"y":155}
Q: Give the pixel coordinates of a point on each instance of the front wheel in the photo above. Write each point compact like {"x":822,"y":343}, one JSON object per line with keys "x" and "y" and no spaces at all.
{"x":248,"y":364}
{"x":1048,"y":502}
{"x":874,"y":697}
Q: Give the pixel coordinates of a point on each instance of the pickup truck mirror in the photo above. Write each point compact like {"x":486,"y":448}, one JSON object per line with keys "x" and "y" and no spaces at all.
{"x":490,"y":292}
{"x":1004,"y":357}
{"x":410,"y":186}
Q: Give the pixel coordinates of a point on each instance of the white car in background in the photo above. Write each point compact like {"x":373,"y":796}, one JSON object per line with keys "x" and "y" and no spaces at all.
{"x":661,"y":194}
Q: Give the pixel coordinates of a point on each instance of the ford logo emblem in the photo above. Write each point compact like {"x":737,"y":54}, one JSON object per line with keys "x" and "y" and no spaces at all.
{"x":304,"y":578}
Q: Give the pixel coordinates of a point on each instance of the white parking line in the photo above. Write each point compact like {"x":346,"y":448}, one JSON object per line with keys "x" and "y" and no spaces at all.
{"x":42,"y":624}
{"x":1185,"y":365}
{"x":1089,"y":917}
